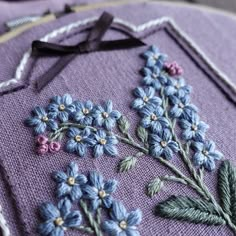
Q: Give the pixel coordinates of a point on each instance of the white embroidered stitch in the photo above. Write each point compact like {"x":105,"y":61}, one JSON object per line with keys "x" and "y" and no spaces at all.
{"x":3,"y":224}
{"x":157,"y":22}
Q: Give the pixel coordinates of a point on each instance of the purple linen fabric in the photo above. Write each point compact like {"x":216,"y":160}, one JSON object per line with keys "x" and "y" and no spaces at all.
{"x":111,"y":75}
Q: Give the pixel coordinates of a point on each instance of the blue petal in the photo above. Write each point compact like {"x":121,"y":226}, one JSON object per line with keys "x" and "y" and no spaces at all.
{"x":64,"y":205}
{"x":52,"y":124}
{"x":107,"y":201}
{"x":216,"y":155}
{"x":57,"y":100}
{"x":58,"y":231}
{"x":110,"y":150}
{"x":139,"y":92}
{"x":52,"y":107}
{"x":73,"y":219}
{"x":134,"y":217}
{"x":112,"y":140}
{"x":111,"y":228}
{"x":156,"y":126}
{"x":109,"y":123}
{"x":110,"y":186}
{"x":63,"y":189}
{"x":72,"y":132}
{"x":149,"y":92}
{"x":63,"y":116}
{"x":32,"y":121}
{"x":75,"y":193}
{"x":156,"y":150}
{"x":118,"y":212}
{"x":167,"y":153}
{"x":81,"y":149}
{"x":72,"y":169}
{"x":39,"y":111}
{"x":146,"y":122}
{"x":137,"y":103}
{"x":198,"y":159}
{"x":198,"y":146}
{"x":59,"y":176}
{"x":108,"y":106}
{"x":98,"y":150}
{"x":90,"y":192}
{"x":40,"y":128}
{"x":96,"y":179}
{"x":210,"y":164}
{"x":66,"y":99}
{"x":174,"y":146}
{"x":166,"y":135}
{"x":132,"y":232}
{"x":48,"y":211}
{"x":46,"y":228}
{"x":81,"y":179}
{"x":115,"y":114}
{"x":95,"y":203}
{"x":71,"y":145}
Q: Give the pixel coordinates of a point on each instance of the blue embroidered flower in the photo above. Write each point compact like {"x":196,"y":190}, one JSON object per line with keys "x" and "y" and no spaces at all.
{"x":69,"y":183}
{"x":153,"y":118}
{"x":182,"y":107}
{"x":58,"y":219}
{"x":177,"y":88}
{"x":193,"y":128}
{"x":103,"y":144}
{"x":122,"y":223}
{"x":162,"y":145}
{"x":105,"y":116}
{"x":206,"y":154}
{"x":99,"y":191}
{"x":145,"y":98}
{"x":78,"y":142}
{"x":41,"y":121}
{"x":154,"y":57}
{"x":154,"y":77}
{"x":61,"y":107}
{"x":83,"y":114}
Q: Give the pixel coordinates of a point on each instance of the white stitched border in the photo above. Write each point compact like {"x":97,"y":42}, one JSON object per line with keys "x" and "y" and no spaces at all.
{"x":3,"y":224}
{"x":153,"y":23}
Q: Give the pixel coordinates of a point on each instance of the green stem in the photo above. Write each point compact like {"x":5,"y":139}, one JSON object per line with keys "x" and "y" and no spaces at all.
{"x":85,"y":229}
{"x":93,"y":223}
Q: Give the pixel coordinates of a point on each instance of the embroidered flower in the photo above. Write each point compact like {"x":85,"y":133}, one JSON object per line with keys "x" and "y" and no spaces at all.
{"x":173,"y":68}
{"x":122,"y":223}
{"x":182,"y":107}
{"x":145,"y":98}
{"x":103,"y":144}
{"x":154,"y":57}
{"x":54,"y":147}
{"x":193,"y":128}
{"x":41,"y":139}
{"x":69,"y":183}
{"x":78,"y":142}
{"x":61,"y":107}
{"x":162,"y":145}
{"x":154,"y":77}
{"x":178,"y":88}
{"x":41,"y":121}
{"x":206,"y":154}
{"x":105,"y":116}
{"x":42,"y":149}
{"x":83,"y":114}
{"x":153,"y":118}
{"x":99,"y":191}
{"x":58,"y":219}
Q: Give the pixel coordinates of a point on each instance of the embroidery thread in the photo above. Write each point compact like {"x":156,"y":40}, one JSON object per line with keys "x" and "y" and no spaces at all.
{"x":163,"y":103}
{"x":92,"y":194}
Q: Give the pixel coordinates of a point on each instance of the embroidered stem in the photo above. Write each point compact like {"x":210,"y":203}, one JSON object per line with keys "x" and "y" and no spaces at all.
{"x":85,"y":229}
{"x":94,"y":224}
{"x":99,"y":215}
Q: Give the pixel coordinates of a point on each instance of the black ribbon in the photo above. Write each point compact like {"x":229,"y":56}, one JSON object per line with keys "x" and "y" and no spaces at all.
{"x":92,"y":44}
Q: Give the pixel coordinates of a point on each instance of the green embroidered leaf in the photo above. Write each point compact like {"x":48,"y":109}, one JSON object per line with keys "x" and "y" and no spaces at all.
{"x":123,"y":124}
{"x":127,"y":164}
{"x":154,"y":187}
{"x":227,"y":189}
{"x":189,"y":209}
{"x":142,"y":134}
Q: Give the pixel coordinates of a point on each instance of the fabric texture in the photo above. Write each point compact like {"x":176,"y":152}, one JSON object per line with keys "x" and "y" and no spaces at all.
{"x":101,"y":76}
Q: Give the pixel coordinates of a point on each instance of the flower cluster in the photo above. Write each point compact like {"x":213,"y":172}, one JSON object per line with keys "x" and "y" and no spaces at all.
{"x":159,"y":114}
{"x":94,"y":191}
{"x":85,"y":124}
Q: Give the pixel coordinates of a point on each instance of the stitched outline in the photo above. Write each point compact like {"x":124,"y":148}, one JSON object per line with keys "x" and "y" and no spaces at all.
{"x":136,"y":29}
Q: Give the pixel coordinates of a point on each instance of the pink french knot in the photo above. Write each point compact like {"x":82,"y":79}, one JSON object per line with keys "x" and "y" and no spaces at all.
{"x":54,"y":147}
{"x":42,"y":149}
{"x":173,"y":68}
{"x":41,"y":139}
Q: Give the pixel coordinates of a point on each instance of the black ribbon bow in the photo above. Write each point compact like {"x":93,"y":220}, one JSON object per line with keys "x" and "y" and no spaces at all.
{"x":93,"y":43}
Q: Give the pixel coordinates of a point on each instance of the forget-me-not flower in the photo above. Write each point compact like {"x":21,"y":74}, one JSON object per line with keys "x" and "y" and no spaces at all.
{"x":154,"y":57}
{"x":78,"y":142}
{"x":193,"y":128}
{"x":99,"y":191}
{"x":122,"y":222}
{"x":154,"y":77}
{"x":145,"y":98}
{"x":58,"y":219}
{"x":153,"y":118}
{"x":83,"y":112}
{"x":69,"y":183}
{"x":41,"y":121}
{"x":103,"y":143}
{"x":162,"y":145}
{"x":178,"y":88}
{"x":181,"y":107}
{"x":105,"y":117}
{"x":206,"y":154}
{"x":61,"y":107}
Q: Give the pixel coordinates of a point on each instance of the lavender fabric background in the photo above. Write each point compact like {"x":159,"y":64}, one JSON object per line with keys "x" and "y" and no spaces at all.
{"x":112,"y":75}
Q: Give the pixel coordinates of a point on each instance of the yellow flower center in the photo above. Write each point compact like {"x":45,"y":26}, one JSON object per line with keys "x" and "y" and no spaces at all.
{"x":163,"y":144}
{"x":154,"y":75}
{"x":155,"y":57}
{"x":153,"y":117}
{"x":45,"y":118}
{"x":194,"y":127}
{"x":62,"y":107}
{"x":58,"y":221}
{"x":71,"y":181}
{"x":123,"y":224}
{"x":181,"y":105}
{"x":86,"y":111}
{"x":205,"y":152}
{"x":102,"y":141}
{"x":145,"y":99}
{"x":105,"y":115}
{"x":177,"y":86}
{"x":102,"y":194}
{"x":78,"y":138}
